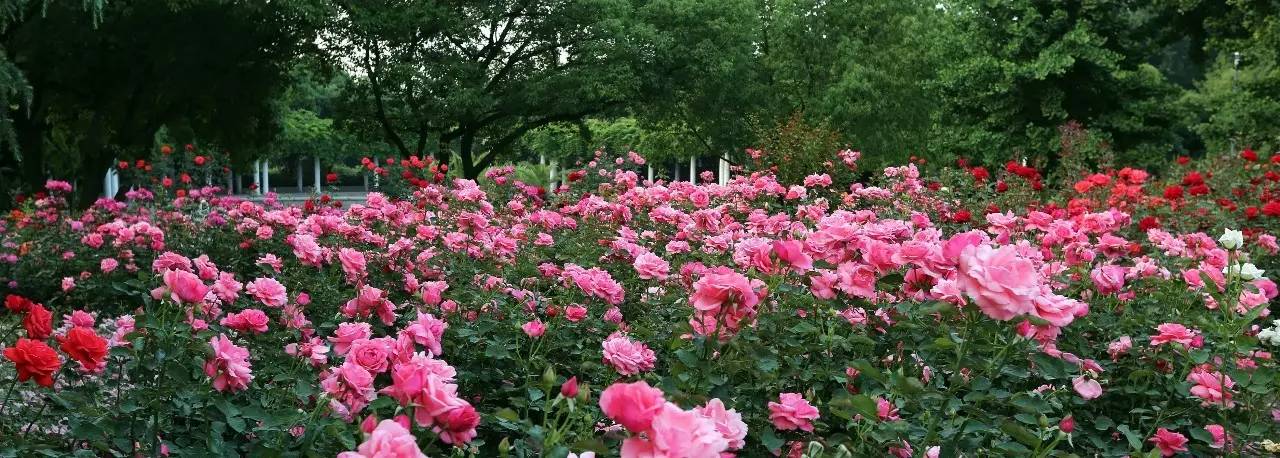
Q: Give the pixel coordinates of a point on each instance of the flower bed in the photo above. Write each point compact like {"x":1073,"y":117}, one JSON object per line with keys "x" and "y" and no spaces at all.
{"x":674,"y":319}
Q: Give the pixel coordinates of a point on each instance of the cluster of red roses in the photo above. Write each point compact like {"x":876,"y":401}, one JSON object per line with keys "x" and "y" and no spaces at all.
{"x":36,"y":360}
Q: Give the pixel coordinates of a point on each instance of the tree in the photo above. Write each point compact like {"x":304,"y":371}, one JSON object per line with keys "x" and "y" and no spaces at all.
{"x":480,"y":75}
{"x":1029,"y":66}
{"x":111,"y":82}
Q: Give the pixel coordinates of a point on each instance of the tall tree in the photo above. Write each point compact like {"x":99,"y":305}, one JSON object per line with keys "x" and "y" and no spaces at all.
{"x":152,"y":63}
{"x":1029,"y":66}
{"x":480,"y":75}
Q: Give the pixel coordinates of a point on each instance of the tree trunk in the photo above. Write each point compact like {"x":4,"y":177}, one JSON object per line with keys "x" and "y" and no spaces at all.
{"x":469,"y":167}
{"x":94,"y":161}
{"x":443,"y":154}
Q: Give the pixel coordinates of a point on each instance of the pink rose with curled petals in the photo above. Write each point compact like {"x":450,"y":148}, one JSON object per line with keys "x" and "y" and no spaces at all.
{"x":268,"y":291}
{"x":792,"y":253}
{"x":627,"y":356}
{"x":651,"y":267}
{"x":792,"y":412}
{"x":389,"y":439}
{"x":1001,"y":282}
{"x":1087,"y":388}
{"x":632,"y":405}
{"x":427,"y":331}
{"x":348,"y":333}
{"x":728,"y":422}
{"x":1169,"y":442}
{"x":185,"y":286}
{"x":229,"y":367}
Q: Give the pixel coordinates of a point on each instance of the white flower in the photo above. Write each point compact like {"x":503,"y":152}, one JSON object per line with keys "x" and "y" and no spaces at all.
{"x":1231,"y":239}
{"x":1269,"y":336}
{"x":1250,"y":272}
{"x":1246,"y":271}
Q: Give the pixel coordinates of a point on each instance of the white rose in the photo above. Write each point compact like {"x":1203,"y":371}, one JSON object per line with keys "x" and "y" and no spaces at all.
{"x":1250,"y":272}
{"x":1231,"y":239}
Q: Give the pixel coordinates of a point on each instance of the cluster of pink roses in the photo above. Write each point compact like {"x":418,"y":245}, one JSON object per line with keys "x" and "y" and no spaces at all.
{"x":661,"y":428}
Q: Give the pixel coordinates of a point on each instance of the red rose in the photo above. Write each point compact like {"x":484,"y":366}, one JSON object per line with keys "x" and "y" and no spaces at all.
{"x":1192,"y":179}
{"x":1251,"y":212}
{"x":1271,"y":208}
{"x":199,"y":160}
{"x":38,"y":322}
{"x":980,"y":174}
{"x":331,"y":177}
{"x":1001,"y":186}
{"x":961,"y":216}
{"x":166,"y":150}
{"x":86,"y":347}
{"x":1183,"y":160}
{"x":1148,"y":223}
{"x":16,"y":303}
{"x":1173,"y":192}
{"x":1198,"y":190}
{"x":1249,"y":155}
{"x":35,"y":360}
{"x":577,"y":175}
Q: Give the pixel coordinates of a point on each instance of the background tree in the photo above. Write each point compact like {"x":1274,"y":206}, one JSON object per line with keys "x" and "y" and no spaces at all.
{"x":149,"y":64}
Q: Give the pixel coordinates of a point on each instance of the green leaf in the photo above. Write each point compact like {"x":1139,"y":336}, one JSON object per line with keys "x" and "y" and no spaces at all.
{"x":1020,"y":434}
{"x":771,"y":440}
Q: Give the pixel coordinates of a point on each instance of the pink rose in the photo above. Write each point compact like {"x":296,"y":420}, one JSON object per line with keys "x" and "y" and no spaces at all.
{"x":626,"y":356}
{"x":1169,"y":443}
{"x":791,"y":412}
{"x":534,"y":329}
{"x":651,"y":267}
{"x":185,"y":286}
{"x":1087,"y":388}
{"x":348,"y":333}
{"x":372,"y":354}
{"x":632,"y":405}
{"x":389,"y":440}
{"x":268,"y":291}
{"x":1002,"y":283}
{"x":727,"y":421}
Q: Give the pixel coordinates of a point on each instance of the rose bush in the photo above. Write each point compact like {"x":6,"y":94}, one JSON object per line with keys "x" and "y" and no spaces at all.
{"x":972,"y":314}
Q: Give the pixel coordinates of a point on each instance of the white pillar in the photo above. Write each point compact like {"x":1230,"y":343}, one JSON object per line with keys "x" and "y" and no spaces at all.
{"x":231,"y":183}
{"x":317,"y":174}
{"x":723,"y":174}
{"x":266,"y":176}
{"x":551,"y":174}
{"x":651,"y":173}
{"x":365,"y":177}
{"x":115,"y":183}
{"x":106,"y":184}
{"x":298,"y":173}
{"x":693,"y":169}
{"x":542,"y":159}
{"x":257,"y":176}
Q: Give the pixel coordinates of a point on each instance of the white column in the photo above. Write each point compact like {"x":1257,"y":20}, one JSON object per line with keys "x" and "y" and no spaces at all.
{"x":551,"y":174}
{"x":651,"y":173}
{"x":106,"y":184}
{"x":115,"y":183}
{"x":693,"y":169}
{"x":257,"y":176}
{"x":266,"y":176}
{"x":723,"y":175}
{"x":231,"y":181}
{"x":317,"y":174}
{"x":365,"y":177}
{"x":298,"y":173}
{"x":542,"y":159}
